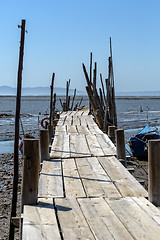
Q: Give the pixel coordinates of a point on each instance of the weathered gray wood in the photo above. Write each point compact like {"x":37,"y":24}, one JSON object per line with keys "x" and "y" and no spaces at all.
{"x":51,"y":132}
{"x":126,"y":184}
{"x":31,"y":167}
{"x":106,"y":145}
{"x":72,"y":221}
{"x":44,"y":144}
{"x":95,"y":180}
{"x":120,"y":144}
{"x":71,"y":129}
{"x":50,"y":182}
{"x":83,"y":129}
{"x":94,"y":145}
{"x":102,"y":220}
{"x":138,"y":223}
{"x":57,"y":146}
{"x":111,"y":133}
{"x":72,"y":182}
{"x":66,"y":147}
{"x":78,"y":146}
{"x":39,"y":222}
{"x":154,"y":171}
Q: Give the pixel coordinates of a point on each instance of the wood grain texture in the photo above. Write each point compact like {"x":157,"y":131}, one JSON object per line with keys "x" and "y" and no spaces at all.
{"x":95,"y":180}
{"x":39,"y":221}
{"x":72,"y":221}
{"x":50,"y":182}
{"x":138,"y":223}
{"x":126,"y":184}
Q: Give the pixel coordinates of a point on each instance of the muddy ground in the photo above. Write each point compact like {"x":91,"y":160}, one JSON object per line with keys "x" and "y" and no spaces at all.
{"x":6,"y":178}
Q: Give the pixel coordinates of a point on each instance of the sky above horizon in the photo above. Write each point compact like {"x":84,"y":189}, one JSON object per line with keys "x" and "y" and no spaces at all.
{"x":61,"y":35}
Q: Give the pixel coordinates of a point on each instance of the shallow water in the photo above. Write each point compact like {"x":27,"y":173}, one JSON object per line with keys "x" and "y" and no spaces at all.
{"x":33,"y":109}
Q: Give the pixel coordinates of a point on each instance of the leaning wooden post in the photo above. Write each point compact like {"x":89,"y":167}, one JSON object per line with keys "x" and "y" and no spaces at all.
{"x":111,"y":133}
{"x":16,"y":138}
{"x":154,"y":172}
{"x":31,"y":167}
{"x":120,"y":144}
{"x":44,"y":144}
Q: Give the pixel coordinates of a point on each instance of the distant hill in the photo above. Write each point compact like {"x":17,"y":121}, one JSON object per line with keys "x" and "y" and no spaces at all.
{"x":139,"y":94}
{"x":37,"y":91}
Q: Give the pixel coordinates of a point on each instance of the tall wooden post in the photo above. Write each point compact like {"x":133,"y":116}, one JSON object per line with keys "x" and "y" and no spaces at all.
{"x":154,"y":172}
{"x":16,"y":138}
{"x":120,"y":144}
{"x":90,"y":78}
{"x":31,"y":167}
{"x":44,"y":144}
{"x":51,"y":132}
{"x":51,"y":100}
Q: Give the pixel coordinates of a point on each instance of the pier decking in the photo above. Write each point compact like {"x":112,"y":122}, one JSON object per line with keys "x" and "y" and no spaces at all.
{"x":85,"y":192}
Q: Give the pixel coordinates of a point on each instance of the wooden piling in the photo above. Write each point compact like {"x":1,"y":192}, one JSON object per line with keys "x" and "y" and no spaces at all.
{"x":51,"y":100}
{"x":120,"y":144}
{"x":31,"y":167}
{"x":153,"y":172}
{"x":111,"y":133}
{"x":44,"y":144}
{"x":51,"y":132}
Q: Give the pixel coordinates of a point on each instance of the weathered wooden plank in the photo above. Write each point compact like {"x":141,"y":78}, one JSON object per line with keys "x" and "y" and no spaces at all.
{"x":123,"y":180}
{"x":78,"y":146}
{"x":57,"y":146}
{"x":138,"y":223}
{"x":95,"y":180}
{"x":94,"y":129}
{"x":106,"y":145}
{"x":72,"y":221}
{"x":50,"y":182}
{"x":83,"y":129}
{"x":149,"y":208}
{"x":66,"y":148}
{"x":71,"y":129}
{"x":94,"y":145}
{"x":39,"y":221}
{"x":76,"y":120}
{"x":60,"y":130}
{"x":72,"y":182}
{"x":102,"y":220}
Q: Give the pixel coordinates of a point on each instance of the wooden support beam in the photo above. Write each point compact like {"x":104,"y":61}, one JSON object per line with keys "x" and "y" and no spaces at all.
{"x":30,"y":177}
{"x":51,"y":100}
{"x":120,"y":144}
{"x":44,"y":144}
{"x":153,"y":172}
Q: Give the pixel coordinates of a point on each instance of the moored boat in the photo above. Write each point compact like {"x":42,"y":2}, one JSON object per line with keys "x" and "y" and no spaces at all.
{"x":139,"y":143}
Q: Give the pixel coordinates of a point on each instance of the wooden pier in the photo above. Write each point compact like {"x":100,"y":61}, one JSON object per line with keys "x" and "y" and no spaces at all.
{"x":85,"y":192}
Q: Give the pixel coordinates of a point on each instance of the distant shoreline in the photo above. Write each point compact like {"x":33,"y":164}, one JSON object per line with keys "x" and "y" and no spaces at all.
{"x":85,"y":97}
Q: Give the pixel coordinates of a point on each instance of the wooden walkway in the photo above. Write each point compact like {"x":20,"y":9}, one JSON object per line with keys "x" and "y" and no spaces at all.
{"x":85,"y":192}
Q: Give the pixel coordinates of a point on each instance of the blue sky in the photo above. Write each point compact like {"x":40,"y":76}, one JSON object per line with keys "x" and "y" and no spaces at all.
{"x":61,"y":35}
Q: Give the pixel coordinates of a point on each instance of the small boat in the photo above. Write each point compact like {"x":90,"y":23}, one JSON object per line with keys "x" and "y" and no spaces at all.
{"x":139,"y":143}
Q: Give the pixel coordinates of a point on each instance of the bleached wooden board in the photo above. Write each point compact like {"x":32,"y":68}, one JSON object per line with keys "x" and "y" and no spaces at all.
{"x":106,"y":145}
{"x":39,"y":221}
{"x":94,"y":145}
{"x":123,"y":180}
{"x":95,"y":180}
{"x":57,"y":146}
{"x":102,"y":220}
{"x":138,"y":223}
{"x":72,"y":182}
{"x":94,"y":129}
{"x":50,"y":182}
{"x":71,"y":129}
{"x":76,"y":120}
{"x":66,"y":147}
{"x":78,"y":146}
{"x":83,"y":129}
{"x":149,"y":208}
{"x":72,"y":221}
{"x":60,"y":130}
